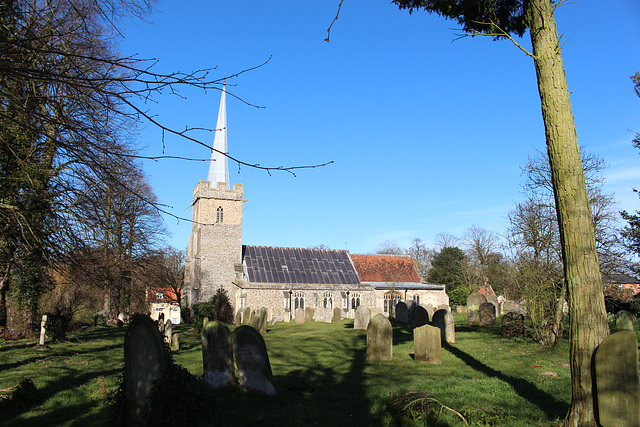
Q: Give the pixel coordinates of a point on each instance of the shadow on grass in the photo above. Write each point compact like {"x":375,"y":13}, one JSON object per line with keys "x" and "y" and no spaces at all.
{"x":314,"y":394}
{"x":402,"y":332}
{"x":552,"y":407}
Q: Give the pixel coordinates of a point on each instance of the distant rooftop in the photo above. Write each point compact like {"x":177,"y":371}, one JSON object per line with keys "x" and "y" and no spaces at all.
{"x":386,"y":268}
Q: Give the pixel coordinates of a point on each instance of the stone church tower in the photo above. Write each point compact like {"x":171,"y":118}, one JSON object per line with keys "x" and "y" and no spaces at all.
{"x":214,"y":255}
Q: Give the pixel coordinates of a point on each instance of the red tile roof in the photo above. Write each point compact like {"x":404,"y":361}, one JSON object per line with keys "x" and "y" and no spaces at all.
{"x":385,"y":268}
{"x":167,"y":295}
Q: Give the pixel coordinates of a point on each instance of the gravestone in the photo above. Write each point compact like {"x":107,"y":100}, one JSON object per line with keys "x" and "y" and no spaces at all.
{"x":246,"y":316}
{"x":419,"y":317}
{"x":252,"y":360}
{"x":300,"y":317}
{"x":175,"y":342}
{"x":43,"y":330}
{"x":161,"y":320}
{"x":308,"y":314}
{"x":512,"y":307}
{"x":487,"y":313}
{"x":427,"y":344}
{"x":145,"y":360}
{"x":512,"y":324}
{"x":624,"y":321}
{"x":616,"y":373}
{"x":438,"y":320}
{"x":493,"y":300}
{"x":430,"y":310}
{"x":450,"y":328}
{"x":337,"y":315}
{"x":261,"y":321}
{"x":204,"y":322}
{"x":252,"y":318}
{"x":444,"y":307}
{"x":238,"y":321}
{"x":217,"y":358}
{"x":401,"y":311}
{"x":474,"y":300}
{"x":379,"y":338}
{"x":362,"y":317}
{"x":168,"y":331}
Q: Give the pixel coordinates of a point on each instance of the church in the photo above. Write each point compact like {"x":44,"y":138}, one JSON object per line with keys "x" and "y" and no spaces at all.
{"x":283,"y":279}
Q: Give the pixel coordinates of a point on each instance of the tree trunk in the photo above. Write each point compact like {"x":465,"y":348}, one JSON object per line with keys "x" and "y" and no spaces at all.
{"x":588,"y":322}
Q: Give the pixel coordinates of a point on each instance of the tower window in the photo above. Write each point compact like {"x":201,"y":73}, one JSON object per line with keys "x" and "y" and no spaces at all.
{"x":219,"y":214}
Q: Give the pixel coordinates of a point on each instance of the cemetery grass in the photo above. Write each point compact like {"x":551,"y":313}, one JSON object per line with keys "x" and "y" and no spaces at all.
{"x":322,"y":377}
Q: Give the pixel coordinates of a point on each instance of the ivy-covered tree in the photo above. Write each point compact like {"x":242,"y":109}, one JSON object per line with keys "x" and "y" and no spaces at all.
{"x":507,"y":20}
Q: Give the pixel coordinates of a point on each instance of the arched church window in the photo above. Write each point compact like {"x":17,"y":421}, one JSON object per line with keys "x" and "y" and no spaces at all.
{"x":355,"y":301}
{"x":391,"y":298}
{"x":298,"y":300}
{"x":328,"y":300}
{"x":219,"y":215}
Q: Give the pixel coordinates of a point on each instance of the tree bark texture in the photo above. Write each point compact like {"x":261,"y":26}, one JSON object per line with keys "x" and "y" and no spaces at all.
{"x":588,"y":322}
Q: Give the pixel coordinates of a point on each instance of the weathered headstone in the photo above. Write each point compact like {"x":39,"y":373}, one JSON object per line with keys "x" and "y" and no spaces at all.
{"x":402,"y":314}
{"x":624,"y":321}
{"x":175,"y":342}
{"x":616,"y":372}
{"x":204,"y":322}
{"x":419,"y":317}
{"x":252,"y":360}
{"x":168,"y":331}
{"x":487,"y":314}
{"x":217,"y":358}
{"x":145,"y":360}
{"x":43,"y":330}
{"x":430,"y":310}
{"x":252,"y":318}
{"x":300,"y":317}
{"x":161,"y":319}
{"x":474,"y":300}
{"x":427,"y":344}
{"x":512,"y":324}
{"x":493,"y":300}
{"x":238,"y":321}
{"x":261,"y":321}
{"x":379,"y":338}
{"x":308,"y":314}
{"x":438,"y":320}
{"x":362,"y":317}
{"x":246,"y":316}
{"x":450,"y":328}
{"x":508,"y":306}
{"x":337,"y":315}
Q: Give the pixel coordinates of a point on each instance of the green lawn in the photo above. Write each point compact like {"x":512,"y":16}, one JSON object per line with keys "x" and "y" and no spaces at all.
{"x":321,"y":375}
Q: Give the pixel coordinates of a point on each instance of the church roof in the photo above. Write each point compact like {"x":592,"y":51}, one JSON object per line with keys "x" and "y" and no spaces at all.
{"x":386,"y":268}
{"x":268,"y":264}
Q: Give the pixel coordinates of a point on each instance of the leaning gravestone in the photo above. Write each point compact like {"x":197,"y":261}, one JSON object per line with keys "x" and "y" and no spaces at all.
{"x":512,"y":324}
{"x":362,"y":317}
{"x":624,"y":321}
{"x":487,"y":314}
{"x":616,"y":374}
{"x":438,"y":320}
{"x":401,"y":311}
{"x":474,"y":300}
{"x":337,"y":315}
{"x":419,"y":317}
{"x":145,"y":360}
{"x":246,"y":316}
{"x":379,"y":338}
{"x":308,"y":314}
{"x":252,"y":360}
{"x":238,"y":321}
{"x":427,"y":344}
{"x":217,"y":358}
{"x":299,"y":316}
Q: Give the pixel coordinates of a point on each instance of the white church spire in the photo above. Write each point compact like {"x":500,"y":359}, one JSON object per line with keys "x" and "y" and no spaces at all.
{"x":219,"y":167}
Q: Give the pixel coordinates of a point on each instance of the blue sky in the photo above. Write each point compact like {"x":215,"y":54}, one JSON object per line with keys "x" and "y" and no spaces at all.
{"x":427,"y":134}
